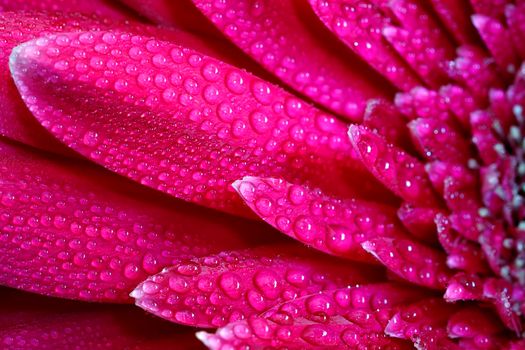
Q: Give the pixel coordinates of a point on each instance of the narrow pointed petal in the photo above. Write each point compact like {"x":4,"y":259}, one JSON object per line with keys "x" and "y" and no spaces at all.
{"x":461,"y":253}
{"x":340,"y":319}
{"x":74,"y":231}
{"x":413,"y":320}
{"x":516,"y":22}
{"x":215,"y":290}
{"x":412,"y":261}
{"x":333,"y":226}
{"x":176,"y":120}
{"x":401,"y":173}
{"x":43,"y":323}
{"x":286,"y":38}
{"x":460,"y":102}
{"x":422,"y":102}
{"x":494,"y":8}
{"x":458,"y":184}
{"x":419,"y":221}
{"x":500,"y":294}
{"x":344,"y":18}
{"x":455,"y":15}
{"x":473,"y":322}
{"x":438,"y":140}
{"x":498,"y":40}
{"x":475,"y":71}
{"x":384,"y":118}
{"x":16,"y":121}
{"x":102,"y":8}
{"x":419,"y":40}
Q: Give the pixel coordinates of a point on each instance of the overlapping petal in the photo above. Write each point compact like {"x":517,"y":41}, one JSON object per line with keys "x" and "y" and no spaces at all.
{"x":31,"y":322}
{"x":176,"y":120}
{"x":74,"y":231}
{"x":102,"y":8}
{"x":215,"y":290}
{"x":286,"y":38}
{"x":341,"y":319}
{"x":331,"y":225}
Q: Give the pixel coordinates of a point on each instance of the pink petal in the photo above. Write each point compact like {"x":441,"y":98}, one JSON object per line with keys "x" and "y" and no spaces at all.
{"x":102,"y":8}
{"x":287,"y":39}
{"x":419,"y":221}
{"x":472,"y":69}
{"x":458,"y":184}
{"x":515,"y":18}
{"x":438,"y":140}
{"x":401,"y":173}
{"x":346,"y":19}
{"x":412,"y":320}
{"x":215,"y":290}
{"x":455,"y":16}
{"x":419,"y":40}
{"x":340,"y":319}
{"x":334,"y":226}
{"x":421,"y":102}
{"x":502,"y":296}
{"x":460,"y":102}
{"x":473,"y":322}
{"x":179,"y":14}
{"x":43,"y":323}
{"x":384,"y":118}
{"x":499,"y":41}
{"x":464,"y":287}
{"x":461,"y":253}
{"x":414,"y":262}
{"x":175,"y":120}
{"x":74,"y":231}
{"x":484,"y":138}
{"x":494,"y":8}
{"x":16,"y":122}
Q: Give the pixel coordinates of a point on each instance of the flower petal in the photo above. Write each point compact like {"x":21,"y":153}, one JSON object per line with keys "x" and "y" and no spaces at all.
{"x":412,"y":320}
{"x":175,"y":120}
{"x":499,"y":41}
{"x":412,"y":261}
{"x":473,"y":322}
{"x":417,"y":30}
{"x":74,"y":231}
{"x":419,"y":221}
{"x":346,"y":19}
{"x":401,"y":173}
{"x":35,"y":322}
{"x":16,"y":122}
{"x":179,"y":14}
{"x":334,"y":226}
{"x":287,"y":39}
{"x":102,"y":8}
{"x":455,"y":16}
{"x":384,"y":118}
{"x":215,"y":290}
{"x":439,"y":140}
{"x":339,"y":319}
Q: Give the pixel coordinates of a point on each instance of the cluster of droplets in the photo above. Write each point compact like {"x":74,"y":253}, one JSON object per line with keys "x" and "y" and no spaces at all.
{"x":176,"y":100}
{"x":53,"y":230}
{"x":342,"y":317}
{"x":216,"y":290}
{"x":288,"y":48}
{"x":334,"y":226}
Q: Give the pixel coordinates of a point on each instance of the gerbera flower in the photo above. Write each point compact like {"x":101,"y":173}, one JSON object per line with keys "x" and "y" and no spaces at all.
{"x":158,"y":156}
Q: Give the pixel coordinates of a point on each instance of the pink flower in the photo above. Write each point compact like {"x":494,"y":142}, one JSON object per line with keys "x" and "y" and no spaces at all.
{"x":161,"y":165}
